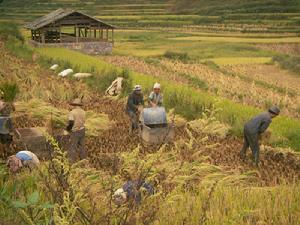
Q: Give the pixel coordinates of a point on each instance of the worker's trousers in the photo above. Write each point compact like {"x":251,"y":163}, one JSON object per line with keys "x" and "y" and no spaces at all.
{"x":77,"y":145}
{"x":134,"y":120}
{"x":251,"y":140}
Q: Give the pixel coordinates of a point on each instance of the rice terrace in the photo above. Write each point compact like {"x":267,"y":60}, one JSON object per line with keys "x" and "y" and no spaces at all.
{"x":155,"y":112}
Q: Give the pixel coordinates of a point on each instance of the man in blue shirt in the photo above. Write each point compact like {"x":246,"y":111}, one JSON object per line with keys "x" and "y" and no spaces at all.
{"x":21,"y":159}
{"x":254,"y":128}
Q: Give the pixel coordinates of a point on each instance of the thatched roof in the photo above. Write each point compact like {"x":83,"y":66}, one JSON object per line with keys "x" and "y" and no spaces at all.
{"x":58,"y":15}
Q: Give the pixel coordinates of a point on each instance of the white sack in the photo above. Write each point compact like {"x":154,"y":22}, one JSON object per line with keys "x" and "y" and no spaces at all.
{"x":82,"y":75}
{"x":54,"y":67}
{"x":65,"y":72}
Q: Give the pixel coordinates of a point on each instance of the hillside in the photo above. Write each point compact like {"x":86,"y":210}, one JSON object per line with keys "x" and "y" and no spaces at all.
{"x":230,"y":15}
{"x":216,"y":8}
{"x":194,"y":178}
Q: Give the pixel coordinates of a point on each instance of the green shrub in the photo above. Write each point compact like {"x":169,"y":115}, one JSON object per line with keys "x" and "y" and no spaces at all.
{"x":18,"y":48}
{"x":181,"y":56}
{"x":287,"y":62}
{"x":195,"y":81}
{"x":211,"y":65}
{"x":10,"y":90}
{"x":10,"y":30}
{"x":127,"y":82}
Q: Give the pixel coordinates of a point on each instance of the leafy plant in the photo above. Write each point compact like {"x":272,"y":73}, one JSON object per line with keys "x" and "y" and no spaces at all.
{"x":9,"y":29}
{"x":181,"y":56}
{"x":10,"y":90}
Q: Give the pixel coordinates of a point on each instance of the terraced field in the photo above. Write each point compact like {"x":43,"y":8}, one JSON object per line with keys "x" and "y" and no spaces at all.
{"x":164,"y":14}
{"x":201,"y":158}
{"x":219,"y":64}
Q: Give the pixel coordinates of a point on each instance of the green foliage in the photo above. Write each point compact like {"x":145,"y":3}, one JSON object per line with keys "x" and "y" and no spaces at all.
{"x":195,"y":81}
{"x":127,"y":82}
{"x":14,"y":41}
{"x":102,"y":79}
{"x":291,"y":63}
{"x":10,"y":90}
{"x":181,"y":56}
{"x":10,"y":30}
{"x":18,"y":48}
{"x":20,"y":199}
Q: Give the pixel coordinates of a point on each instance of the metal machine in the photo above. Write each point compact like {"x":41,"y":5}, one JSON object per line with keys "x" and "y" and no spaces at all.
{"x":154,"y":127}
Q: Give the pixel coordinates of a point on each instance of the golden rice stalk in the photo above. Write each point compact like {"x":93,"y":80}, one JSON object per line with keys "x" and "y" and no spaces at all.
{"x":36,"y":108}
{"x":211,"y":127}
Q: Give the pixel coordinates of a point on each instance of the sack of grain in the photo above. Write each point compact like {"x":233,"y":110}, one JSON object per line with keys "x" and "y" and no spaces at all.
{"x":82,"y":75}
{"x":65,"y":72}
{"x":54,"y":67}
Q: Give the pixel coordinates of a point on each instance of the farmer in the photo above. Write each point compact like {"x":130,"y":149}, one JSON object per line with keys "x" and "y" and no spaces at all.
{"x":76,"y":129}
{"x":253,"y":130}
{"x":134,"y":105}
{"x":155,"y":97}
{"x":22,"y":159}
{"x":132,"y":191}
{"x":6,"y":125}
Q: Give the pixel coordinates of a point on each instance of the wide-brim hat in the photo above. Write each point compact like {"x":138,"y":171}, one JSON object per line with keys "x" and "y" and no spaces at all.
{"x":275,"y":110}
{"x":77,"y":102}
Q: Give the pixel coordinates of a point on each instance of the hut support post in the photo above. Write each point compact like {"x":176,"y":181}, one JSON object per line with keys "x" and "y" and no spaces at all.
{"x":76,"y":33}
{"x":60,"y":40}
{"x":43,"y":37}
{"x":112,"y":34}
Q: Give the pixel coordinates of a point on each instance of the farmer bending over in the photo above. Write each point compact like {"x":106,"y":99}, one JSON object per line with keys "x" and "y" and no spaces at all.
{"x":253,"y":130}
{"x":132,"y":191}
{"x":22,"y":159}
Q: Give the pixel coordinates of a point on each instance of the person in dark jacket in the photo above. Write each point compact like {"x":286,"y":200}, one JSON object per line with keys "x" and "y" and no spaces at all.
{"x":254,"y":128}
{"x":134,"y":103}
{"x":132,"y":190}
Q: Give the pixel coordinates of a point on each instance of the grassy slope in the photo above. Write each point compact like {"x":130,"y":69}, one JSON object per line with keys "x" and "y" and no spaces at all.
{"x":186,"y":100}
{"x":232,"y":202}
{"x":189,"y":183}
